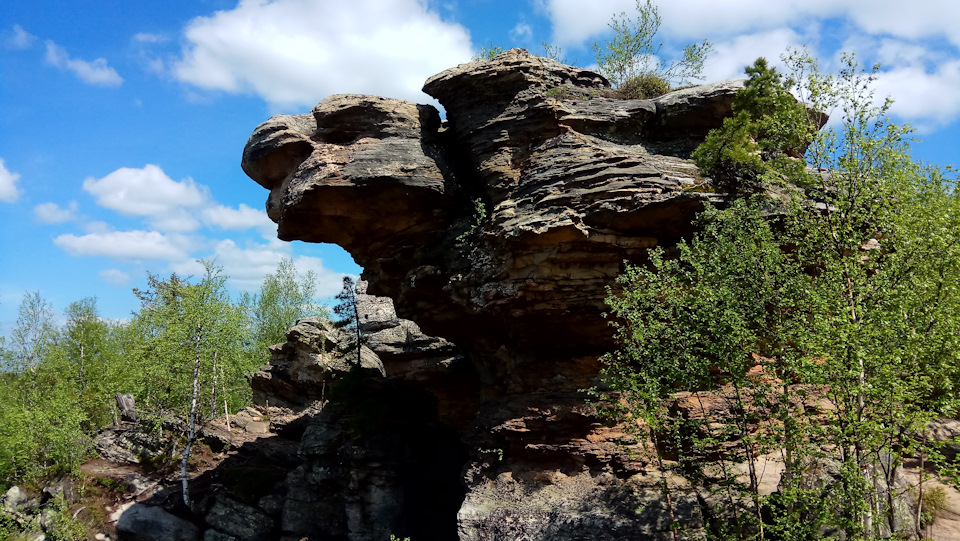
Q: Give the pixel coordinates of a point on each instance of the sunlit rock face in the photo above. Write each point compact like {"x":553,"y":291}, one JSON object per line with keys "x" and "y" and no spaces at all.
{"x":500,"y":229}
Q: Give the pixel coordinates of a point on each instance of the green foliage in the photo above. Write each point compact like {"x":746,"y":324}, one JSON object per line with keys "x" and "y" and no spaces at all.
{"x":284,"y":297}
{"x":642,"y":87}
{"x":189,"y":347}
{"x":555,"y":52}
{"x":764,"y":139}
{"x":633,"y":51}
{"x":32,"y":336}
{"x":178,"y":323}
{"x":64,"y":526}
{"x":88,"y":354}
{"x":479,"y":216}
{"x":41,"y":423}
{"x":488,"y":53}
{"x":348,"y":318}
{"x":934,"y":499}
{"x":824,"y":325}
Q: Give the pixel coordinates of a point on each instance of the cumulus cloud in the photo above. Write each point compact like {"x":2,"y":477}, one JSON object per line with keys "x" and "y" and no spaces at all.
{"x":248,"y":265}
{"x":173,"y":212}
{"x":114,"y":277}
{"x":295,"y":52}
{"x":18,"y":38}
{"x":96,"y":72}
{"x":926,"y":98}
{"x":9,"y":193}
{"x":730,"y":57}
{"x":144,"y":192}
{"x":126,"y":245}
{"x":171,"y":206}
{"x":243,"y":217}
{"x":696,"y":19}
{"x":52,"y":213}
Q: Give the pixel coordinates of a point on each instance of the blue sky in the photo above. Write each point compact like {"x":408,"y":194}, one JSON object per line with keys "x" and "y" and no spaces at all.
{"x":122,"y":123}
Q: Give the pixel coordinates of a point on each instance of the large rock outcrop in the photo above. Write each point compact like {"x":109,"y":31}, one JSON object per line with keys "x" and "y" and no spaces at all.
{"x":500,"y":229}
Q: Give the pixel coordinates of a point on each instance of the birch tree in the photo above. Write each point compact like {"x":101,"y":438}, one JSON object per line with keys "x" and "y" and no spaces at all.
{"x":823,"y":309}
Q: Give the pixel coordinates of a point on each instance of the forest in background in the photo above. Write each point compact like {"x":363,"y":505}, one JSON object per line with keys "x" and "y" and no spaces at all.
{"x":189,"y":349}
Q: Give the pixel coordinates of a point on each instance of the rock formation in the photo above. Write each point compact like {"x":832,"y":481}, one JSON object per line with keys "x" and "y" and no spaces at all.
{"x":500,"y":229}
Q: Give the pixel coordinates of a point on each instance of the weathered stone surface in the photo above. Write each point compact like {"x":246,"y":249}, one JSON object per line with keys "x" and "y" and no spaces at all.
{"x":692,"y":112}
{"x":243,"y":522}
{"x":20,"y":500}
{"x":375,"y":460}
{"x":301,"y":369}
{"x":127,"y":442}
{"x":352,"y":148}
{"x":142,"y":522}
{"x":555,"y":506}
{"x":214,"y":535}
{"x":499,"y":230}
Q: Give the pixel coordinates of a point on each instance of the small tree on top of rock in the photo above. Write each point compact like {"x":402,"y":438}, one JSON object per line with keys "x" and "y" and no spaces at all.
{"x":349,"y":317}
{"x":632,"y":53}
{"x":763,"y":141}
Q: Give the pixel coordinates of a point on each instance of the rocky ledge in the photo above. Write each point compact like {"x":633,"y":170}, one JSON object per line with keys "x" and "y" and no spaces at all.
{"x":500,"y":229}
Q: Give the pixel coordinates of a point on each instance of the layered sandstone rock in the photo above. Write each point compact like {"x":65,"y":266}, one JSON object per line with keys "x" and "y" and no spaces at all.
{"x":500,"y":230}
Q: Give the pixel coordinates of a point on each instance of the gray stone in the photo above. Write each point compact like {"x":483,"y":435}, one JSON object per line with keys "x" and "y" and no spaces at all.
{"x":242,"y":521}
{"x":20,"y":500}
{"x":214,"y":535}
{"x":142,"y":522}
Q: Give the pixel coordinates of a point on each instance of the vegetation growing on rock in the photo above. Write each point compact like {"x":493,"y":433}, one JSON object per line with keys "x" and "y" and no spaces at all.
{"x":814,"y":326}
{"x":633,"y":54}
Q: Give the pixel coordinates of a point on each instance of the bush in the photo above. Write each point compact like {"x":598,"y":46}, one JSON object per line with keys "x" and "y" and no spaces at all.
{"x":643,"y":87}
{"x":763,"y":140}
{"x":632,"y":50}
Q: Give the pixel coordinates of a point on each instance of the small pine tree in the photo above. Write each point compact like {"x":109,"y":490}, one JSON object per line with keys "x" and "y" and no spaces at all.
{"x":349,"y":317}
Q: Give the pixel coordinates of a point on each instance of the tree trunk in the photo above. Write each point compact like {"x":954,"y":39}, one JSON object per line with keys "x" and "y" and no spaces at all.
{"x":192,"y":430}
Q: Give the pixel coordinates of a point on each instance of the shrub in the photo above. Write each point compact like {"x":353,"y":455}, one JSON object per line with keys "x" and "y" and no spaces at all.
{"x":633,"y":51}
{"x":643,"y":87}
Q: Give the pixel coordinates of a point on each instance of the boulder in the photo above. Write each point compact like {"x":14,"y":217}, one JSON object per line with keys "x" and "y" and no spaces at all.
{"x":141,"y":522}
{"x":20,"y":500}
{"x":240,"y":521}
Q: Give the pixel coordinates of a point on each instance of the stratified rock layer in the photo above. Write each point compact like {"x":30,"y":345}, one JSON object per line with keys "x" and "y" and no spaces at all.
{"x":500,"y":230}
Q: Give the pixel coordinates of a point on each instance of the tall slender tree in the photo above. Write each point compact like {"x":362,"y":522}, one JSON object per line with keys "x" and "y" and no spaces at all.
{"x":191,"y":333}
{"x":348,"y":314}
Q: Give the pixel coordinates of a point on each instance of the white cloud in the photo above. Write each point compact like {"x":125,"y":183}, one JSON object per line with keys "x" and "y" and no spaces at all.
{"x":144,"y":192}
{"x":20,"y":38}
{"x":171,"y":206}
{"x":114,"y":277}
{"x":247,"y":266}
{"x":927,"y":99}
{"x":698,"y":19}
{"x":296,"y":52}
{"x":243,"y":217}
{"x":521,"y":32}
{"x":146,"y":37}
{"x":8,"y":184}
{"x":126,"y":245}
{"x":98,"y":227}
{"x":730,"y":57}
{"x":52,"y":213}
{"x":96,"y":72}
